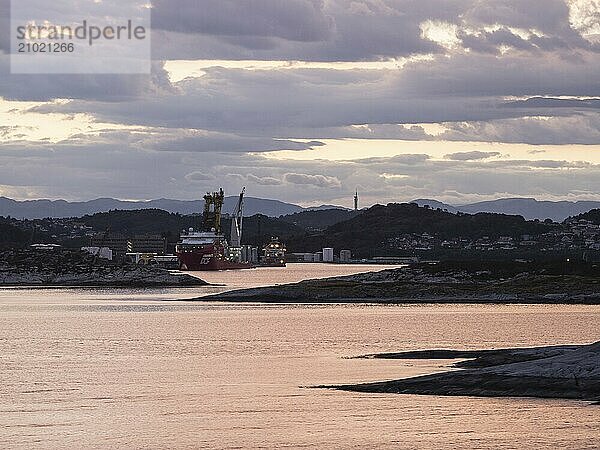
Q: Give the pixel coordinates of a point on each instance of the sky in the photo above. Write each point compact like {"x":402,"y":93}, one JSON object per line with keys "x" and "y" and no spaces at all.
{"x":306,"y":101}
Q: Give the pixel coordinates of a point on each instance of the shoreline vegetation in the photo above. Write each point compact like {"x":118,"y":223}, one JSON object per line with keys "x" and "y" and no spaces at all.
{"x":66,"y":268}
{"x":560,"y":372}
{"x":445,"y":282}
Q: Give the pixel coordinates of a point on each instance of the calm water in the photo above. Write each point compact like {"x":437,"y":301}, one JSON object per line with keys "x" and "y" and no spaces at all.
{"x":127,"y":369}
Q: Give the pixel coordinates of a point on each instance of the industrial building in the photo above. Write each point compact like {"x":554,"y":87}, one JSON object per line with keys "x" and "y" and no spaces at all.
{"x":249,"y":254}
{"x":345,"y":256}
{"x":120,"y":245}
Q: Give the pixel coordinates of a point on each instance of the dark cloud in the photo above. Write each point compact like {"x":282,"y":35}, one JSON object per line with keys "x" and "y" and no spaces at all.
{"x":355,"y":30}
{"x":321,"y":181}
{"x":263,"y":181}
{"x":312,"y":30}
{"x":499,"y":40}
{"x":242,"y":102}
{"x":255,"y":179}
{"x":409,"y":159}
{"x":490,"y":42}
{"x":187,"y":141}
{"x":104,"y":88}
{"x":548,"y":16}
{"x":472,"y":156}
{"x":469,"y":75}
{"x":464,"y":88}
{"x":575,"y":129}
{"x":294,"y":20}
{"x":202,"y":141}
{"x":545,"y":102}
{"x":552,"y":164}
{"x":201,"y":177}
{"x":348,"y":30}
{"x":370,"y":131}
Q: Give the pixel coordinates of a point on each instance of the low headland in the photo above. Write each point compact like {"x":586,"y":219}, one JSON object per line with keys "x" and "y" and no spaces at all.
{"x":444,"y":282}
{"x":70,"y":268}
{"x":561,"y":372}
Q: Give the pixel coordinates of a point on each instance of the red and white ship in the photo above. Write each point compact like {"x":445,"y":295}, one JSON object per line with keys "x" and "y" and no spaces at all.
{"x":209,"y":249}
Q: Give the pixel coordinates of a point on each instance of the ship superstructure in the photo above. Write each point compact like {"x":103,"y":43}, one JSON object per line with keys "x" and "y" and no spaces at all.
{"x":209,"y":249}
{"x":273,"y":254}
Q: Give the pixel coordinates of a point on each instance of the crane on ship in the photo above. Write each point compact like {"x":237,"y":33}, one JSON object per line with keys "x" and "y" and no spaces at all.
{"x":237,"y":222}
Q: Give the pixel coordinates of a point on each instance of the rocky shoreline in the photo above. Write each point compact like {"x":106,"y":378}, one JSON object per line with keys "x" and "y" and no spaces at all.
{"x":566,"y":372}
{"x":26,"y":268}
{"x":444,"y":283}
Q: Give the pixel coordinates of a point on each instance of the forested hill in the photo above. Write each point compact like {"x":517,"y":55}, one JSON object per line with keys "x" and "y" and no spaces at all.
{"x":320,"y":219}
{"x":258,"y":229}
{"x":367,"y":232}
{"x":10,"y":234}
{"x":145,"y":221}
{"x":410,"y":218}
{"x":593,"y":216}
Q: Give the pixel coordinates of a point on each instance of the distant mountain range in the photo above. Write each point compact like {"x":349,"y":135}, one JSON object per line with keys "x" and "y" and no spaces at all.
{"x":39,"y":209}
{"x":527,"y":207}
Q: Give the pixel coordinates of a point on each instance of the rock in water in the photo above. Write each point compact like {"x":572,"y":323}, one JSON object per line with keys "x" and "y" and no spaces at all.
{"x":571,"y":372}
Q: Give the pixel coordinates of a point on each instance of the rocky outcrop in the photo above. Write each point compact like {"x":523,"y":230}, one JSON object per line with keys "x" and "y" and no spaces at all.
{"x":571,"y":372}
{"x":73,"y":268}
{"x":424,"y":284}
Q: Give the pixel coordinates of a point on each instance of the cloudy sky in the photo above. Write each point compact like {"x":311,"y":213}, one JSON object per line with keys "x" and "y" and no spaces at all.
{"x":308,"y":100}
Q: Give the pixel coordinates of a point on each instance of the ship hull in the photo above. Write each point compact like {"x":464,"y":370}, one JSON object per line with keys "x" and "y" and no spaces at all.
{"x":203,"y":261}
{"x":272,"y":264}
